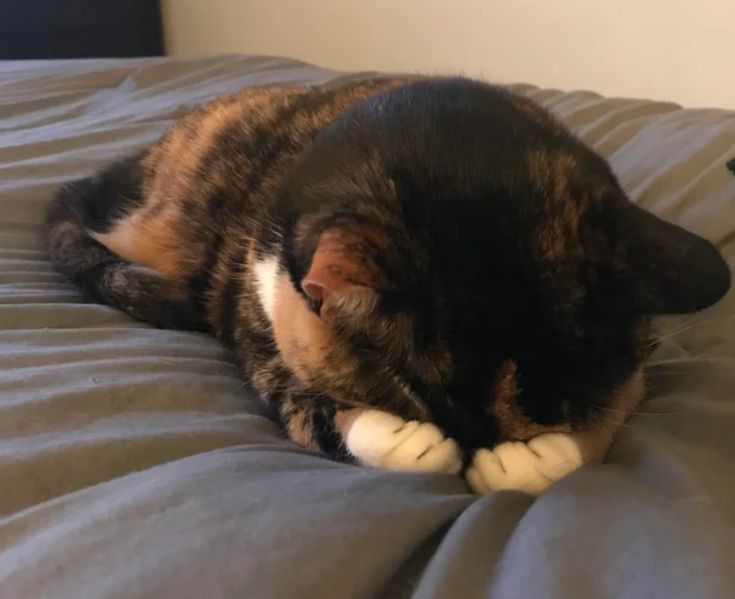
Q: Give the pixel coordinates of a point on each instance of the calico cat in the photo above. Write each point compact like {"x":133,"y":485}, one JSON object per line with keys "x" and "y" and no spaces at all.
{"x":418,"y":274}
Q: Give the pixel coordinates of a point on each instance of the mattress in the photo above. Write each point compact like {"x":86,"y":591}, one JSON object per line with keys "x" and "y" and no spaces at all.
{"x":134,"y":462}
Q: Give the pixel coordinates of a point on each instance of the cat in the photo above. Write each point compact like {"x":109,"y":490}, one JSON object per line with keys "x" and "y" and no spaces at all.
{"x":420,"y":273}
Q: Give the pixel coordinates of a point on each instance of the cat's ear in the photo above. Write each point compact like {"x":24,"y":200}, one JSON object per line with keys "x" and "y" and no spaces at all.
{"x":341,"y":274}
{"x":671,"y":270}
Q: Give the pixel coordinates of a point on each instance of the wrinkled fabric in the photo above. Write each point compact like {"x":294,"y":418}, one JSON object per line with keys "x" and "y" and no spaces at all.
{"x":135,"y":463}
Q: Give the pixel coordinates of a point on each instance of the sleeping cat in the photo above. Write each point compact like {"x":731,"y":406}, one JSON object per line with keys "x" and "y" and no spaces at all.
{"x":424,"y":274}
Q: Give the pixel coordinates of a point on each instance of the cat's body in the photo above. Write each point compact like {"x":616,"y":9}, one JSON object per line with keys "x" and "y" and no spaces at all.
{"x":409,"y":271}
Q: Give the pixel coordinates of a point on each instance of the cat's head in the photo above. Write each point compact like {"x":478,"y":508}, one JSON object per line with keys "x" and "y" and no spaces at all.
{"x":450,"y":250}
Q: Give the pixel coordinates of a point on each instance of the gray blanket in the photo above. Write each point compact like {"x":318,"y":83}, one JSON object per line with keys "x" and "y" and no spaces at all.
{"x":135,"y":463}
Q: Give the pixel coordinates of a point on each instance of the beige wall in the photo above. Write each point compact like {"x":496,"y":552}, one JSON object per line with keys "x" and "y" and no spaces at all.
{"x":681,"y":50}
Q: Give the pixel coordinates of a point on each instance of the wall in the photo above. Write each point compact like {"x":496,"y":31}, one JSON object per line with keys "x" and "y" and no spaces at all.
{"x":681,"y":50}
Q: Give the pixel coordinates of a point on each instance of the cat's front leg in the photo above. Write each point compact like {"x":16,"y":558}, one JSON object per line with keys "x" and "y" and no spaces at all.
{"x":531,"y":466}
{"x":383,"y":440}
{"x":368,"y":436}
{"x":534,"y":465}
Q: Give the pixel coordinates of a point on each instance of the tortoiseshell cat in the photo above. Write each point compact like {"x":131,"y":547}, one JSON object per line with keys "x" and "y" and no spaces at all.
{"x":418,"y":274}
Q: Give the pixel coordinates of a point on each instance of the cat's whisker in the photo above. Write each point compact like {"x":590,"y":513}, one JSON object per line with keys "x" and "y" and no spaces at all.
{"x":614,"y":410}
{"x":703,"y":358}
{"x":707,"y":353}
{"x":639,"y":413}
{"x":609,"y":421}
{"x":690,"y":326}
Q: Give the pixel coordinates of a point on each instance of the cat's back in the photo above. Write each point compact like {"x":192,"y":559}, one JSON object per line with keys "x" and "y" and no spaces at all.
{"x":187,"y":147}
{"x":244,"y":142}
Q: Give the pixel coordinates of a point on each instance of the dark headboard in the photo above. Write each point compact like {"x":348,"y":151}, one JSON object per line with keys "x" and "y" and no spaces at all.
{"x":80,"y":28}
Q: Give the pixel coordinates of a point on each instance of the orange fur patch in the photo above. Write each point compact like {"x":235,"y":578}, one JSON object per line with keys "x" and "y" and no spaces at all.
{"x":301,"y":336}
{"x":299,"y":430}
{"x":151,"y":242}
{"x":175,"y":162}
{"x":152,"y":236}
{"x":514,"y":425}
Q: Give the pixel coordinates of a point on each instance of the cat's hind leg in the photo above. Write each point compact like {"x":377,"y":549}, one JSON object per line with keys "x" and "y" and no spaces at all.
{"x":75,"y":216}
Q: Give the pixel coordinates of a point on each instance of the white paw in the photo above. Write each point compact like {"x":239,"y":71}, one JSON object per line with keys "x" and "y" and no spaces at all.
{"x":383,"y":440}
{"x":531,"y":466}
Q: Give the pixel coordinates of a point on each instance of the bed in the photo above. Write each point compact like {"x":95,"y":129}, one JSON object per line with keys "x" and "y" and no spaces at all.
{"x":135,"y":463}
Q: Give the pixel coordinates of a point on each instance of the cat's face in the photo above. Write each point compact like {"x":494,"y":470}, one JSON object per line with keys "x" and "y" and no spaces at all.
{"x":452,"y":251}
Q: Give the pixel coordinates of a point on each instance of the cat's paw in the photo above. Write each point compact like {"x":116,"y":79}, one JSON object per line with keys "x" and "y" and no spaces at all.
{"x":383,"y":440}
{"x":531,"y":466}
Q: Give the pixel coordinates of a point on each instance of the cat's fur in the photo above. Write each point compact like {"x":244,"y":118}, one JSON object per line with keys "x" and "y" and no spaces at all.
{"x":409,"y":270}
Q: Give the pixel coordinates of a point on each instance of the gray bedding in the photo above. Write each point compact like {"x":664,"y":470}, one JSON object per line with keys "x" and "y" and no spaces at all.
{"x":134,"y":463}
